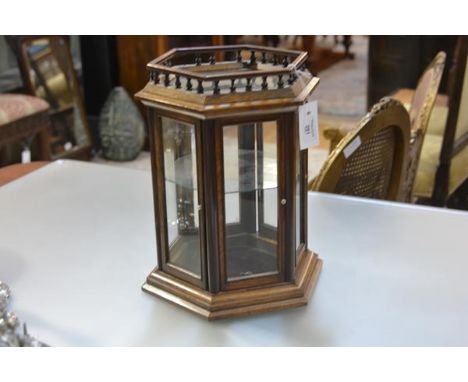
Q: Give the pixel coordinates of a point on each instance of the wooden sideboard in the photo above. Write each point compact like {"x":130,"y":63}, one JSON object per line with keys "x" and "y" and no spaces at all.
{"x":398,"y":61}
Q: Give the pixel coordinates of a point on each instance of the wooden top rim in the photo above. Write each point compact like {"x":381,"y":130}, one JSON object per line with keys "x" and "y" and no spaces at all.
{"x":288,"y":62}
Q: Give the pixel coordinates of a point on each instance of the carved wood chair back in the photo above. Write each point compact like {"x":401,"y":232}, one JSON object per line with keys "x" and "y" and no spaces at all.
{"x":425,"y":93}
{"x":420,"y":111}
{"x":370,"y":160}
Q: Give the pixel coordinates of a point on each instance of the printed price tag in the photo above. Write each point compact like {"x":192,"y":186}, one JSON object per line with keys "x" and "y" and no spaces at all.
{"x":352,"y":147}
{"x":308,"y":125}
{"x":26,"y":156}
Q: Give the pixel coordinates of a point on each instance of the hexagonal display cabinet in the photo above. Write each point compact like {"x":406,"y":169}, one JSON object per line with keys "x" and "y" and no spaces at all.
{"x":229,"y":179}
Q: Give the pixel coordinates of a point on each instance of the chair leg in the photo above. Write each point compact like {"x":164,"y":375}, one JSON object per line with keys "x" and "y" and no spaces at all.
{"x":440,"y":193}
{"x":44,"y":141}
{"x":459,"y":199}
{"x":347,"y":41}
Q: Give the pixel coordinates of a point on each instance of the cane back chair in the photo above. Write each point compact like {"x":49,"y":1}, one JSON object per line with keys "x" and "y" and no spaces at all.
{"x":420,"y":112}
{"x":444,"y":160}
{"x":420,"y":109}
{"x":370,"y":160}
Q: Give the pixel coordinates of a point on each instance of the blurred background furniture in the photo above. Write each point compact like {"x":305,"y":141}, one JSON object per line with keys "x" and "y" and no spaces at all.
{"x":444,"y":159}
{"x":382,"y":65}
{"x":420,"y":109}
{"x":370,"y":161}
{"x":47,"y":72}
{"x":396,"y":62}
{"x":137,"y":51}
{"x":22,"y":117}
{"x":324,"y":51}
{"x":323,"y":54}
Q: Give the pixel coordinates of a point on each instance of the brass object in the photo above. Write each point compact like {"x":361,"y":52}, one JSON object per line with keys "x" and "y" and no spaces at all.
{"x":225,"y":157}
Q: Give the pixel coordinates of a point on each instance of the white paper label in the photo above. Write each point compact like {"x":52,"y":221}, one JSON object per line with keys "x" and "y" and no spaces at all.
{"x":352,"y":147}
{"x":25,"y":156}
{"x":308,"y":125}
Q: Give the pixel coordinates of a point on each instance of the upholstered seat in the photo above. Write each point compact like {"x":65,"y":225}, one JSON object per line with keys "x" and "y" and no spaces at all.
{"x":23,"y":116}
{"x":430,"y":154}
{"x":17,"y":106}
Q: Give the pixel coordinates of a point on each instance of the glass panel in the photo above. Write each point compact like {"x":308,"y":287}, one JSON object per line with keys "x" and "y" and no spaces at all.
{"x":231,"y":149}
{"x":269,"y":170}
{"x":180,"y":170}
{"x":298,"y":199}
{"x":251,"y":192}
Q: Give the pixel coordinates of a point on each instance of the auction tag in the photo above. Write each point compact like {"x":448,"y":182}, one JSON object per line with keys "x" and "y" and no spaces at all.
{"x":26,"y":156}
{"x":352,"y":147}
{"x":308,"y":125}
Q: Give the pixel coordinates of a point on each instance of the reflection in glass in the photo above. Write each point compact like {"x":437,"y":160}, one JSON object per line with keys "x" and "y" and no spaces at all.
{"x":51,"y":75}
{"x":299,"y":208}
{"x":180,"y":170}
{"x":251,"y":192}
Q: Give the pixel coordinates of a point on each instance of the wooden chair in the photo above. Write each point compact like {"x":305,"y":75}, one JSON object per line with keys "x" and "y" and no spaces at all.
{"x":370,"y":160}
{"x":420,"y":109}
{"x":23,"y":116}
{"x":444,"y":160}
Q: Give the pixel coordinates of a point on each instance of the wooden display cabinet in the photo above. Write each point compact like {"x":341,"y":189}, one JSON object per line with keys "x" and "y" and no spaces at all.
{"x":229,"y":180}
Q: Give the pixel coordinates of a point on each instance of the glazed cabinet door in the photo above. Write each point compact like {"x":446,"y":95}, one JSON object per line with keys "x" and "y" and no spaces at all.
{"x":252,"y":240}
{"x":180,"y":220}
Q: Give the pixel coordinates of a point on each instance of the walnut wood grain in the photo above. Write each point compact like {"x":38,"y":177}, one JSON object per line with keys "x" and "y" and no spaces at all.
{"x":183,"y":92}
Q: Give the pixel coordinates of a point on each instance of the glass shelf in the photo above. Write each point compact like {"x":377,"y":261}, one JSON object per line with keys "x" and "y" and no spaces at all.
{"x":185,"y":167}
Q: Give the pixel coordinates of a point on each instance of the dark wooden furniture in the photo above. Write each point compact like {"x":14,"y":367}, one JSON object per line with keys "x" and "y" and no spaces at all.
{"x":320,"y":58}
{"x":452,"y":167}
{"x":397,"y":62}
{"x":99,"y":75}
{"x":47,"y":70}
{"x":370,"y":161}
{"x":134,"y":52}
{"x":21,"y":118}
{"x":229,"y":180}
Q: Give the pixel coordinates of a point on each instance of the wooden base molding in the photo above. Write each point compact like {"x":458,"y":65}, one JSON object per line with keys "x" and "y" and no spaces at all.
{"x":240,"y":302}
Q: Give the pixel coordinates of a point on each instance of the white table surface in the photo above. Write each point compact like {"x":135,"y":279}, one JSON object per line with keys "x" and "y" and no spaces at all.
{"x":77,"y":241}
